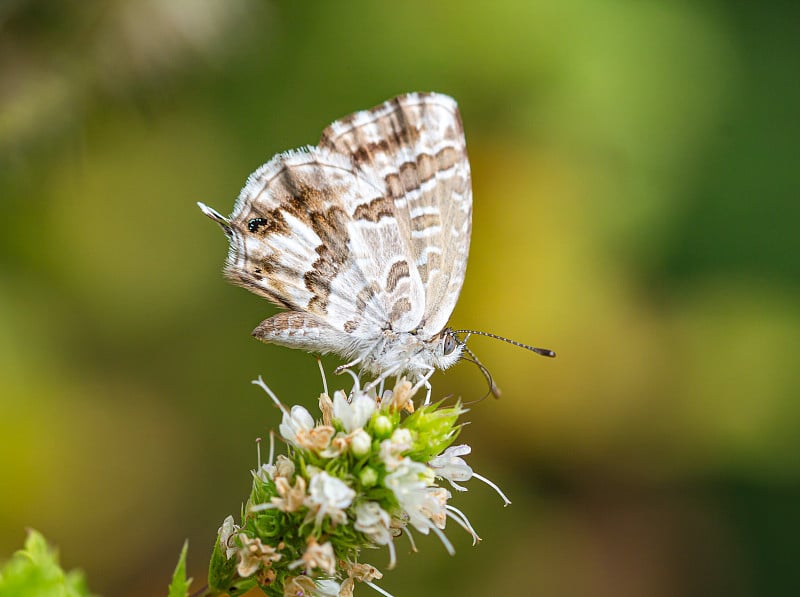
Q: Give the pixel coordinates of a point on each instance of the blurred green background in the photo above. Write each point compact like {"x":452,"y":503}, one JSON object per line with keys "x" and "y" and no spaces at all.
{"x":635,"y":172}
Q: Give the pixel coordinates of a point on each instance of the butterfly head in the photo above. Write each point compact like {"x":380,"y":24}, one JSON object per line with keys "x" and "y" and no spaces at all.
{"x":414,"y":353}
{"x":446,"y":349}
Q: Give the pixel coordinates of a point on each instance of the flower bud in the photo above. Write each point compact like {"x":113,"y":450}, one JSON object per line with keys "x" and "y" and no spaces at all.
{"x":382,"y":425}
{"x":368,"y":476}
{"x":361,"y":443}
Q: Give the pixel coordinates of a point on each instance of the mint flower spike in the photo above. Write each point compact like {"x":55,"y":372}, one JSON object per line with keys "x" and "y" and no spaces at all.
{"x":369,"y":469}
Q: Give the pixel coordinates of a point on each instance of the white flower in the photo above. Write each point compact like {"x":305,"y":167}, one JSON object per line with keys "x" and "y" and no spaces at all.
{"x":299,"y":585}
{"x":337,"y":446}
{"x":448,"y":465}
{"x":265,"y":473}
{"x":409,"y":483}
{"x":294,"y":423}
{"x":361,"y":572}
{"x":283,"y":467}
{"x":353,"y":415}
{"x":254,"y":554}
{"x":399,"y":398}
{"x":374,"y":522}
{"x":435,"y":506}
{"x":316,"y":439}
{"x":316,"y":555}
{"x":225,"y":532}
{"x":392,"y":449}
{"x":290,"y":497}
{"x":328,"y":496}
{"x":402,"y":439}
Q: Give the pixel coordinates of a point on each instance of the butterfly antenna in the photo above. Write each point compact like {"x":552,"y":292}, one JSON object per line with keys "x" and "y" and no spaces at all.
{"x":493,"y":389}
{"x":483,"y":369}
{"x":545,"y":352}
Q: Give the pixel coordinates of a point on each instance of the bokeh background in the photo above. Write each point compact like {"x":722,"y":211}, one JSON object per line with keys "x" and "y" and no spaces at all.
{"x":635,"y":170}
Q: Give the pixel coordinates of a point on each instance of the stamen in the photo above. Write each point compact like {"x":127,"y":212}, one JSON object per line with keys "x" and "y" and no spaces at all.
{"x":260,"y":382}
{"x":493,"y":486}
{"x":262,"y":507}
{"x":377,"y":588}
{"x":324,"y":379}
{"x":443,"y":538}
{"x":407,"y":531}
{"x":271,"y":447}
{"x":392,"y":555}
{"x":462,"y":520}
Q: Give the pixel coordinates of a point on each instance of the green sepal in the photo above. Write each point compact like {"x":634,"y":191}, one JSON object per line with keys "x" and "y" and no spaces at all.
{"x":436,"y":427}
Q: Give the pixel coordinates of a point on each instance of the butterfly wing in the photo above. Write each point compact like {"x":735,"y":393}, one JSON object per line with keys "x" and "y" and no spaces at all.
{"x":413,"y":146}
{"x":312,"y":235}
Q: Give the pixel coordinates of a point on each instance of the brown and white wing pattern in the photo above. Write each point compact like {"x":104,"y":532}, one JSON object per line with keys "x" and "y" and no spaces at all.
{"x":414,"y":146}
{"x":364,"y":238}
{"x":311,"y":236}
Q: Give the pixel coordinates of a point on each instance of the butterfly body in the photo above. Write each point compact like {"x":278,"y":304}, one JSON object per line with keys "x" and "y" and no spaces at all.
{"x":389,"y":351}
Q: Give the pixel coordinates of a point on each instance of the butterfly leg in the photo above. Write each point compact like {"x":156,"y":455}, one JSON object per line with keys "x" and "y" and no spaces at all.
{"x":340,"y":369}
{"x":378,"y":381}
{"x":423,"y":381}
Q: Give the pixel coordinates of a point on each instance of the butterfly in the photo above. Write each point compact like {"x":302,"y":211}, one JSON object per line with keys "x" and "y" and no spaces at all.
{"x":363,"y":238}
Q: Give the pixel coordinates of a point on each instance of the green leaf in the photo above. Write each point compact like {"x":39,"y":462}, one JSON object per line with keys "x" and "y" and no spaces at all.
{"x":34,"y":572}
{"x":179,"y":587}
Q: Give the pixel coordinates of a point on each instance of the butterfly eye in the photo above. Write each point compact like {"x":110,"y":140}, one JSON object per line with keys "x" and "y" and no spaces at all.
{"x":450,"y":343}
